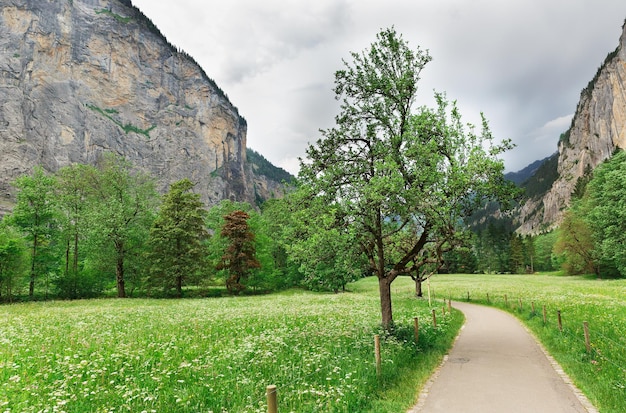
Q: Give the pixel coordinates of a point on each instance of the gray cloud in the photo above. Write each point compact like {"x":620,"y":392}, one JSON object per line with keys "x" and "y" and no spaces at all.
{"x":521,"y":62}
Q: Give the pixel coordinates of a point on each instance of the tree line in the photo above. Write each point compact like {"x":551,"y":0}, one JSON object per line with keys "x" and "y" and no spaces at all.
{"x":88,"y":230}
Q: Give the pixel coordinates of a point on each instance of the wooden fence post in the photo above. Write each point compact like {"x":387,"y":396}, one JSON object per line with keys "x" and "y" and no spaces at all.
{"x":520,"y":304}
{"x":434,"y":319}
{"x":532,"y":305}
{"x":377,"y":353}
{"x":468,"y":296}
{"x":416,"y":327}
{"x":506,"y":301}
{"x":449,"y":305}
{"x":272,"y":406}
{"x":558,"y":314}
{"x":545,"y":315}
{"x":488,"y":302}
{"x":587,"y":341}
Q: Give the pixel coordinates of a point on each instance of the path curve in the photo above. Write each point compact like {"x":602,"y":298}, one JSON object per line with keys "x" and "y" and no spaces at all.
{"x":496,"y":365}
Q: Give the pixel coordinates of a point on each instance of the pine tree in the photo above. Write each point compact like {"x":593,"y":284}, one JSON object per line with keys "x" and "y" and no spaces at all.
{"x":177,"y":249}
{"x":240,"y":256}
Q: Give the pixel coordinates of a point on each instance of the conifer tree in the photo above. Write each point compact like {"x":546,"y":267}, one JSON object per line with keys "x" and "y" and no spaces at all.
{"x":240,"y":255}
{"x":177,"y":249}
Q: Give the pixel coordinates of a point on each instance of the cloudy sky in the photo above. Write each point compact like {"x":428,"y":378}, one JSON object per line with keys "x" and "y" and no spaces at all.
{"x":522,"y":63}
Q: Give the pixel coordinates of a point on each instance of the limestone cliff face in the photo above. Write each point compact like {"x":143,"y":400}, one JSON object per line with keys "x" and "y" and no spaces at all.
{"x":79,"y":77}
{"x":598,"y":128}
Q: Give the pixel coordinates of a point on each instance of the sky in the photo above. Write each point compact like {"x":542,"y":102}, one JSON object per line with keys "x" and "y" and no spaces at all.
{"x":522,"y":63}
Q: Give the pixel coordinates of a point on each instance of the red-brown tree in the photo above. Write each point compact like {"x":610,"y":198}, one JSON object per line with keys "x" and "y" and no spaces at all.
{"x":240,"y":255}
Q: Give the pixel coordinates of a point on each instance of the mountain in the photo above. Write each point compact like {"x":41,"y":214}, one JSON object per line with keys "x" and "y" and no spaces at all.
{"x":81,"y":77}
{"x":597,"y":129}
{"x":524,"y":174}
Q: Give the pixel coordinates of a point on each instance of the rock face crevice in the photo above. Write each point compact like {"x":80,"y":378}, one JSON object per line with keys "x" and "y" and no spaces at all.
{"x":80,"y":77}
{"x":598,"y":128}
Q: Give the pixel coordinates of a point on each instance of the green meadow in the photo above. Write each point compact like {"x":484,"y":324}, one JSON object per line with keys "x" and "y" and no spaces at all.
{"x":218,"y":354}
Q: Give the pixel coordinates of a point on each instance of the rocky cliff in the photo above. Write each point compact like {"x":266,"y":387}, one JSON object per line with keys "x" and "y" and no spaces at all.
{"x":598,"y":128}
{"x":80,"y":77}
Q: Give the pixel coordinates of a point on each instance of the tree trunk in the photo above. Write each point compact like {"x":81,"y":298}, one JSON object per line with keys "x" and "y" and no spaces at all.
{"x":119,"y":272}
{"x":384,"y":288}
{"x":179,"y":286}
{"x":75,"y":262}
{"x":31,"y":286}
{"x":418,"y":287}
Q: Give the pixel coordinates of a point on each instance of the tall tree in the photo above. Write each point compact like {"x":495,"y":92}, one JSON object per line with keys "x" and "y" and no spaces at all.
{"x":13,"y":260}
{"x":240,"y":255}
{"x":395,"y":171}
{"x":516,"y":260}
{"x":72,"y":193}
{"x":124,"y":204}
{"x":34,"y":213}
{"x":176,"y":246}
{"x":320,"y":242}
{"x":606,"y":214}
{"x":575,"y":242}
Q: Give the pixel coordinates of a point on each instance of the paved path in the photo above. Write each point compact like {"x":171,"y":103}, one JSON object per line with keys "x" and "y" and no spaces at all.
{"x":497,"y":366}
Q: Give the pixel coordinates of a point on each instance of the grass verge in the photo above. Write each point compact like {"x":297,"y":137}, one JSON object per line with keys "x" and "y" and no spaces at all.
{"x":599,"y":373}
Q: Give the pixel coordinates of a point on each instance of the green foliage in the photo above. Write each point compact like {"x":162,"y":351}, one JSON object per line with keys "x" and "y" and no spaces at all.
{"x":74,"y":202}
{"x":262,"y":166}
{"x":124,"y":204}
{"x":391,"y":170}
{"x":275,"y":272}
{"x":581,"y":183}
{"x":13,"y":260}
{"x":591,"y":236}
{"x":325,"y":251}
{"x":544,"y":258}
{"x":541,"y":181}
{"x":278,"y":216}
{"x":176,"y":245}
{"x":117,"y":17}
{"x":516,"y":261}
{"x":493,"y":248}
{"x":575,"y":242}
{"x":128,"y":127}
{"x":35,"y":215}
{"x":606,"y":215}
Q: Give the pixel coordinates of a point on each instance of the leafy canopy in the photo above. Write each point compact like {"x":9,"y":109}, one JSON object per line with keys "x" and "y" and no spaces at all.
{"x":402,"y":179}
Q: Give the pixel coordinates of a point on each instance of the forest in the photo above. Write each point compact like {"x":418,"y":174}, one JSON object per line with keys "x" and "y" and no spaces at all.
{"x":79,"y":232}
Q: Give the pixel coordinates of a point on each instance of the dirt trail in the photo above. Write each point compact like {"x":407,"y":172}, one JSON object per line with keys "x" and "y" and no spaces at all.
{"x":497,"y":366}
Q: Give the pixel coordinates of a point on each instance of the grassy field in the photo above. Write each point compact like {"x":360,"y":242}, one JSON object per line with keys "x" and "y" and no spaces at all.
{"x":600,"y":373}
{"x":218,"y":354}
